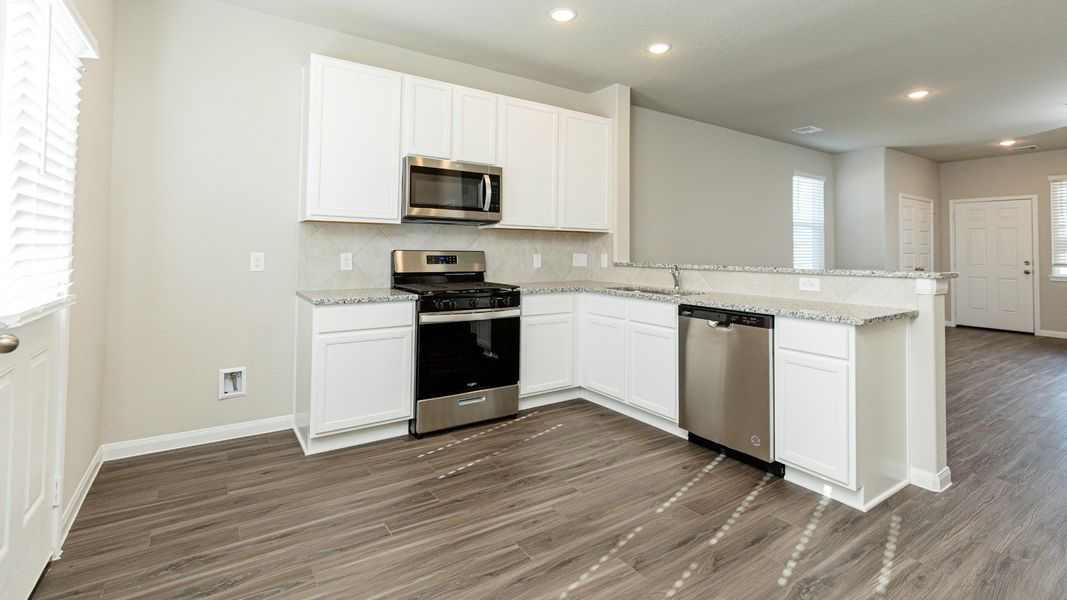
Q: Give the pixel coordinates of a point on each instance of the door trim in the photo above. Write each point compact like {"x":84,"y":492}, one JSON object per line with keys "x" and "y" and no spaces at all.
{"x":1034,"y":241}
{"x":933,"y":228}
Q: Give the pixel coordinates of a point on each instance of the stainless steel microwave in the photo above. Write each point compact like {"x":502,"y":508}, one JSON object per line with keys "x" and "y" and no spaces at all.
{"x":446,"y":191}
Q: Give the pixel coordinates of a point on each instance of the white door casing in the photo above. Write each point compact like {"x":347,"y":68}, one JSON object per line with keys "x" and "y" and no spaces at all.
{"x":916,"y":233}
{"x":29,"y":407}
{"x":993,"y":251}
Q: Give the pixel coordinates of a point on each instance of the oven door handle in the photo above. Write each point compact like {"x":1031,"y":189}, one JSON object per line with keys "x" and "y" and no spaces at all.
{"x":469,"y":315}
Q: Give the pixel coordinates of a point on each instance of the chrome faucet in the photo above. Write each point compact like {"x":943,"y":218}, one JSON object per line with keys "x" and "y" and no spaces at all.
{"x":677,"y":275}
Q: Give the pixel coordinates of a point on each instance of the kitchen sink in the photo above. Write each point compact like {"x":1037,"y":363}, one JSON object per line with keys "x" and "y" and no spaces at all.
{"x":657,"y":291}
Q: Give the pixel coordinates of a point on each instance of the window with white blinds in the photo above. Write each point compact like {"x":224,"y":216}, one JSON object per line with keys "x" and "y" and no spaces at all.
{"x":809,"y":223}
{"x":43,"y":43}
{"x":1059,"y":226}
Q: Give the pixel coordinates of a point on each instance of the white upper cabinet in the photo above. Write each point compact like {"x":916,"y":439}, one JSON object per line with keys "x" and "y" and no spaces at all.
{"x":530,"y":144}
{"x":585,"y":172}
{"x":427,"y":117}
{"x":351,"y":168}
{"x":474,"y":121}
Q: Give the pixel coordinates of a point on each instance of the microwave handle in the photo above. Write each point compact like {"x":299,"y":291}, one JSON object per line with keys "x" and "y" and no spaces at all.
{"x":487,"y":198}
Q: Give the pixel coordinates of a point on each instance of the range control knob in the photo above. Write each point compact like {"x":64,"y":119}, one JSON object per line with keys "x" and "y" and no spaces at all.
{"x":451,"y":304}
{"x":474,"y":303}
{"x":438,"y":304}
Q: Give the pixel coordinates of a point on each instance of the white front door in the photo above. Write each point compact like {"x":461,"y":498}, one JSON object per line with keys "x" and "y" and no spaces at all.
{"x":916,"y":234}
{"x":993,"y":243}
{"x":28,"y":382}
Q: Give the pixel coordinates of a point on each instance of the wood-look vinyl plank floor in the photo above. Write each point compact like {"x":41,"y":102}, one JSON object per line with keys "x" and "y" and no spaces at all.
{"x":573,"y":512}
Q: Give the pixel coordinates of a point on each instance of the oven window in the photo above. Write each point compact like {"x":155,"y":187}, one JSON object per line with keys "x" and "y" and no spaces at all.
{"x":444,"y":189}
{"x":466,"y":356}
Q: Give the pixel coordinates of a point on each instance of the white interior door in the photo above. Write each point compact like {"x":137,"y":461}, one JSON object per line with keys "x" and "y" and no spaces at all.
{"x":916,"y":234}
{"x":993,"y":242}
{"x":28,"y":383}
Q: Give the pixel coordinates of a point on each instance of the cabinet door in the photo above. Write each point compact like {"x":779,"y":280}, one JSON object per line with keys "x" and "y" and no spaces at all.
{"x":604,"y":355}
{"x":813,"y":420}
{"x":585,"y":172}
{"x":353,"y":143}
{"x":547,"y":353}
{"x":529,"y":142}
{"x":474,"y":126}
{"x":652,"y":369}
{"x":427,"y":118}
{"x":363,"y":378}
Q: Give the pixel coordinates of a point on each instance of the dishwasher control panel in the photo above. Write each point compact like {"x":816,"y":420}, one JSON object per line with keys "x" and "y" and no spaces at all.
{"x":726,"y":318}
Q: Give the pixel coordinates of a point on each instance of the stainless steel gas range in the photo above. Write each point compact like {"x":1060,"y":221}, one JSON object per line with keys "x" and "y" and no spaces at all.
{"x":467,"y":357}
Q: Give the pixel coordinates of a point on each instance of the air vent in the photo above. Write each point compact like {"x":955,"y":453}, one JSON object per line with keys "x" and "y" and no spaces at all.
{"x":807,"y":130}
{"x":1029,"y":148}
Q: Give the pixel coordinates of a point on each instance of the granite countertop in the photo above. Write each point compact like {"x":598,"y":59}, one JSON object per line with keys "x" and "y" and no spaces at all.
{"x":788,"y":270}
{"x":831,"y":312}
{"x":355,"y":296}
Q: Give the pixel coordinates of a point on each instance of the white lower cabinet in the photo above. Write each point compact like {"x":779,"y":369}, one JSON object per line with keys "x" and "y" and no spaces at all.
{"x":363,"y":378}
{"x":604,"y":355}
{"x":547,"y":353}
{"x":652,"y":360}
{"x":354,"y":373}
{"x":813,"y":413}
{"x":840,"y":407}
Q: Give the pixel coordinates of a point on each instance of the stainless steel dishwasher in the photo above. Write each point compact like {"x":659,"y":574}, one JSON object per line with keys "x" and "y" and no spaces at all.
{"x":726,"y":382}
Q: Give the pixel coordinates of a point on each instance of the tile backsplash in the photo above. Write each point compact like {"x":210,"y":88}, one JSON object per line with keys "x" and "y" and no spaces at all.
{"x":509,"y":253}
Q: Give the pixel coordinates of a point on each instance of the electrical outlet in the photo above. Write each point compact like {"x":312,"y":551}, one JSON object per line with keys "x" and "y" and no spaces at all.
{"x":604,"y":260}
{"x":256,"y":261}
{"x":579,"y":259}
{"x":232,"y":383}
{"x":810,"y":284}
{"x":537,"y":261}
{"x":346,"y":261}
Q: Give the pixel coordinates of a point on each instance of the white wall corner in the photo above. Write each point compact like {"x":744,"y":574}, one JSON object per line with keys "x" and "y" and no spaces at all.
{"x":931,"y":287}
{"x":77,"y":498}
{"x":185,"y":439}
{"x":935,"y":482}
{"x":1052,"y":333}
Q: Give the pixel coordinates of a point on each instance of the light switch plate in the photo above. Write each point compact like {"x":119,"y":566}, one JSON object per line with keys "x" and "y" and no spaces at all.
{"x":537,"y":261}
{"x":579,"y":259}
{"x":810,"y":284}
{"x":256,"y":261}
{"x":604,"y":260}
{"x":346,"y":261}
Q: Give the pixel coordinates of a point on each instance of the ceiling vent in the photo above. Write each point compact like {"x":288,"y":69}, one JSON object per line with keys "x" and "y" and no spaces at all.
{"x":807,"y":130}
{"x":1029,"y":148}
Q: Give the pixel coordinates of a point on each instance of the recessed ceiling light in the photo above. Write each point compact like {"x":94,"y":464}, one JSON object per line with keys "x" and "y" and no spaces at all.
{"x":658,"y":47}
{"x":1007,"y":143}
{"x":807,"y":130}
{"x":562,"y":14}
{"x":918,"y":94}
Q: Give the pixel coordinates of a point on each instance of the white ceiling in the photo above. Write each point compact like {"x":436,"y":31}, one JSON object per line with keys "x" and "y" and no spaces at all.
{"x":997,"y":68}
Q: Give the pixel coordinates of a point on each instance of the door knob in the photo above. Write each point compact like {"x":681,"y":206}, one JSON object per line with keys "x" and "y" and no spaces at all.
{"x":1026,"y":272}
{"x":8,"y":343}
{"x":1026,"y":262}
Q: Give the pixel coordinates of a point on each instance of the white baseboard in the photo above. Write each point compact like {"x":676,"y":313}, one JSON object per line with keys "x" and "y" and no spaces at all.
{"x":1052,"y":333}
{"x":74,"y":506}
{"x":547,"y":398}
{"x":184,"y":439}
{"x":950,"y":323}
{"x":935,"y":482}
{"x":634,"y":413}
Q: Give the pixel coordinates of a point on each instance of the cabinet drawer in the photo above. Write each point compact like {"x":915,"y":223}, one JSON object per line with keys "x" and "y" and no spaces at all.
{"x":653,"y":313}
{"x":608,"y":306}
{"x":547,"y":304}
{"x":353,"y":317}
{"x":813,"y":337}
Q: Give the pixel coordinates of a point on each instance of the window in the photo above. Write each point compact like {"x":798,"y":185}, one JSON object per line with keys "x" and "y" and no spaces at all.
{"x":809,"y":219}
{"x":1059,"y":226}
{"x":43,"y":43}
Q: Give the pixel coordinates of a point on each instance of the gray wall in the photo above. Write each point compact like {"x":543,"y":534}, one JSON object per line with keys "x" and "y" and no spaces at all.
{"x":860,"y":209}
{"x":708,"y":195}
{"x":1018,"y":175}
